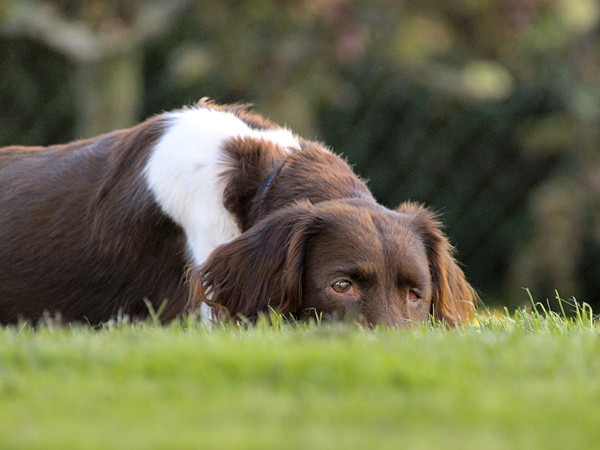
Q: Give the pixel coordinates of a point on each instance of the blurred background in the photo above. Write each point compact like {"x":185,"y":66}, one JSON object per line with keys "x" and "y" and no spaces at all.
{"x":486,"y":110}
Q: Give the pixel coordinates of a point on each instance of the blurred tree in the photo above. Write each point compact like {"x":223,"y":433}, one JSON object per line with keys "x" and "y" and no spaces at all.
{"x":562,"y":249}
{"x":104,"y":39}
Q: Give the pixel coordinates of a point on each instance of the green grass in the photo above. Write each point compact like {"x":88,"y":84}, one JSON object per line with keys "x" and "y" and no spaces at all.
{"x":529,"y":381}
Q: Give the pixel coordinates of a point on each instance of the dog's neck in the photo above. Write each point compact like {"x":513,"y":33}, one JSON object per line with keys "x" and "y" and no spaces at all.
{"x":269,"y":180}
{"x":287,"y":180}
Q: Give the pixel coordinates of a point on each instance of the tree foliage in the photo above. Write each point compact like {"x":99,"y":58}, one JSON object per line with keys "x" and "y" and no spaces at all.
{"x":487,"y":110}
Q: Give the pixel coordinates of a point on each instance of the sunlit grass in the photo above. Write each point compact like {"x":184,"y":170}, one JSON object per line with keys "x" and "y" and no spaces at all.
{"x":530,"y":379}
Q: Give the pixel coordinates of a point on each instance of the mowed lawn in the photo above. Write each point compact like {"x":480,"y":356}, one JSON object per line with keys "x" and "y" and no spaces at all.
{"x":527,"y":382}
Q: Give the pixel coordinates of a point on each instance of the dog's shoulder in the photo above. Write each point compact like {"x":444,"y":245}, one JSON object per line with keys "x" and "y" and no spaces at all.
{"x":201,"y":151}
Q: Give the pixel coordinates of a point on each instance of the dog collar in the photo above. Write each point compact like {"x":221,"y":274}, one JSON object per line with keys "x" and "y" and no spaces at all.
{"x":267,"y":182}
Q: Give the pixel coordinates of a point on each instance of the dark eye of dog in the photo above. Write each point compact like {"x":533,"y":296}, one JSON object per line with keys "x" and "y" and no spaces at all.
{"x":413,"y":296}
{"x":342,"y":286}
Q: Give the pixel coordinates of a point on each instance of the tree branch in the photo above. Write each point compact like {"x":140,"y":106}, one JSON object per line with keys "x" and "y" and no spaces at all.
{"x":75,"y":38}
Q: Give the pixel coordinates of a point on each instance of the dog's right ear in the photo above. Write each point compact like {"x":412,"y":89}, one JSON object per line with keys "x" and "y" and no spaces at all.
{"x":454,"y":298}
{"x":261,"y":269}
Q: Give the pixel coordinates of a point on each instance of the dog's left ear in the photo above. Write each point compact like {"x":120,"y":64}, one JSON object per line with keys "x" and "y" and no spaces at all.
{"x":261,"y":269}
{"x":454,"y":298}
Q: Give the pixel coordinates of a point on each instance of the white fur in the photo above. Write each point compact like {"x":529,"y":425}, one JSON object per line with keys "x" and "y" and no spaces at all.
{"x":184,"y":169}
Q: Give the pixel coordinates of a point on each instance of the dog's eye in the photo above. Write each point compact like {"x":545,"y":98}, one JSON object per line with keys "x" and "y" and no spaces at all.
{"x":342,"y":286}
{"x":413,"y":296}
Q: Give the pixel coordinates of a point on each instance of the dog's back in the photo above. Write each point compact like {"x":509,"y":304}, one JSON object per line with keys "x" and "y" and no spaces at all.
{"x":80,"y":236}
{"x":100,"y":226}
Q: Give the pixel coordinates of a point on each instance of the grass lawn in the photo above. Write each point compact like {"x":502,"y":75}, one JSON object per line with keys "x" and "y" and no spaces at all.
{"x":527,"y":382}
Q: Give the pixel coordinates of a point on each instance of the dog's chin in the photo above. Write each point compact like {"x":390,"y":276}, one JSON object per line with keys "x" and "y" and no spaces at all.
{"x":319,"y":315}
{"x":354,"y":318}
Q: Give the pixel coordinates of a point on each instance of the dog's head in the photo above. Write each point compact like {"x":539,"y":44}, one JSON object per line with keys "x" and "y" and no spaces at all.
{"x":341,"y":258}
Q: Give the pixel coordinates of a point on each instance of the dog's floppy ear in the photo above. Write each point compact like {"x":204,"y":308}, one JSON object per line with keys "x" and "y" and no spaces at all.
{"x":261,"y":269}
{"x":453,"y":297}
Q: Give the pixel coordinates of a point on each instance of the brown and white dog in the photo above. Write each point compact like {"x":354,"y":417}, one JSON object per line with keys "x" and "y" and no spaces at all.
{"x":213,"y":208}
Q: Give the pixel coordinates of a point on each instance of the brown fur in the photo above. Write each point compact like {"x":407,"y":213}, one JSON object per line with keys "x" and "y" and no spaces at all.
{"x":81,"y":235}
{"x":311,"y":194}
{"x":280,"y":261}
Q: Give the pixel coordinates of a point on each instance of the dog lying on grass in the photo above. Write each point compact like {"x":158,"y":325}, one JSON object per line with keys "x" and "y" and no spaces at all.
{"x":213,"y":208}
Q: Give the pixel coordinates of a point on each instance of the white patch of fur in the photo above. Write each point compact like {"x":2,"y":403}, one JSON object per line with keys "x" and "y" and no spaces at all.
{"x":206,"y":316}
{"x":184,"y":170}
